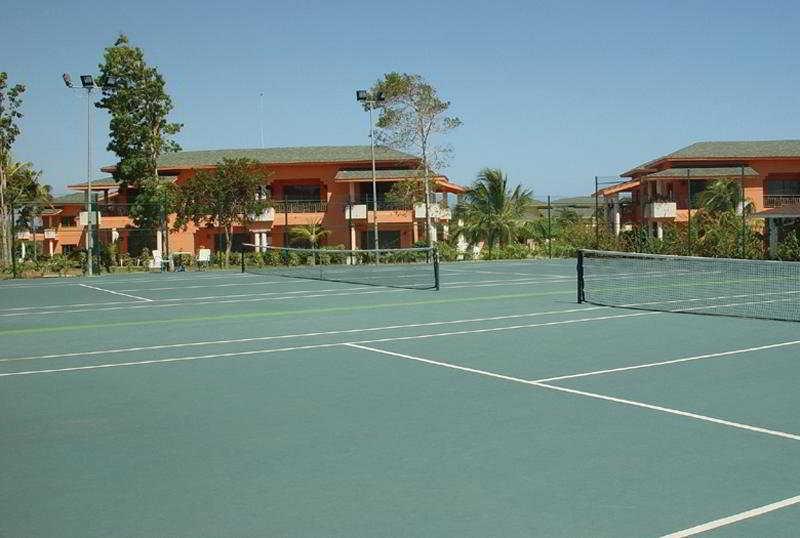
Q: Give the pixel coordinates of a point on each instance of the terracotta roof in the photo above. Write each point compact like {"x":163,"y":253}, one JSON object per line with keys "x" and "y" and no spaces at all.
{"x":625,"y":186}
{"x":786,"y":211}
{"x":287,"y":155}
{"x":366,"y":175}
{"x":702,"y":173}
{"x":721,"y":151}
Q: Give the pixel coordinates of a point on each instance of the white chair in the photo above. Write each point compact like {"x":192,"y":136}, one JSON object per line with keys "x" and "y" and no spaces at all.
{"x":203,"y":257}
{"x":156,"y":262}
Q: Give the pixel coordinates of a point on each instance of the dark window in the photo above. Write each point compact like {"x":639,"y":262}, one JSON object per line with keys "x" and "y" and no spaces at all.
{"x":296,"y":193}
{"x":696,"y":188}
{"x":783,"y":187}
{"x":386,"y":238}
{"x":382,"y":188}
{"x":68,"y":222}
{"x":236,"y":241}
{"x":68,"y":249}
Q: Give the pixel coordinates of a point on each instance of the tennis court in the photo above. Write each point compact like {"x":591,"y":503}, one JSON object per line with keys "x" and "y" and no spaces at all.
{"x":235,"y":404}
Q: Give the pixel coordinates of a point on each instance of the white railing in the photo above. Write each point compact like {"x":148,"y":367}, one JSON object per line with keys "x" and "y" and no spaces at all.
{"x":661,"y":210}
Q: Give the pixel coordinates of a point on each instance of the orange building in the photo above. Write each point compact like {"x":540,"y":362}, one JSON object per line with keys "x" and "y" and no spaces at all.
{"x":329,"y":185}
{"x":665,"y":189}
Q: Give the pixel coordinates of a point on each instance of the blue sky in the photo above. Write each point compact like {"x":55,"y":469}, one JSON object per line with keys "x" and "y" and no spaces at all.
{"x":553,"y":93}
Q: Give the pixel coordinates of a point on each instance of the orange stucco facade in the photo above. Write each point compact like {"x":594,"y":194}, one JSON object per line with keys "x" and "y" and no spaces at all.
{"x":301,"y":193}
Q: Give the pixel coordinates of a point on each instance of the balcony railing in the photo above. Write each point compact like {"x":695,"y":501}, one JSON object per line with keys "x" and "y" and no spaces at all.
{"x":300,"y":206}
{"x":383,"y":204}
{"x":773,"y":200}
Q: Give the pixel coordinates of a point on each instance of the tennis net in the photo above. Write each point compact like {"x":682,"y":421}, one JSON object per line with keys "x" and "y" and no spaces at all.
{"x":412,"y":268}
{"x":717,"y":286}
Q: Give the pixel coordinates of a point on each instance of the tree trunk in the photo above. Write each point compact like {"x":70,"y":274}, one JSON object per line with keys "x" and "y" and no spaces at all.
{"x":228,"y":236}
{"x":5,"y":254}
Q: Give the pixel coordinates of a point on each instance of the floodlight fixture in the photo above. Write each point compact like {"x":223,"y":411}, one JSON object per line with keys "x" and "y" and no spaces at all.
{"x":67,"y":80}
{"x":362,"y":95}
{"x":110,"y":81}
{"x":87,"y":81}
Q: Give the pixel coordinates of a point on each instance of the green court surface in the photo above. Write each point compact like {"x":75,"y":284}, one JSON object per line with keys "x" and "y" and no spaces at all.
{"x":229,"y":404}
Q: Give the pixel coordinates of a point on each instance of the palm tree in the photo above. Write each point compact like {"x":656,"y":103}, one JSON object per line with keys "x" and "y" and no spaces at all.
{"x":309,"y":235}
{"x":722,"y":195}
{"x":492,"y":212}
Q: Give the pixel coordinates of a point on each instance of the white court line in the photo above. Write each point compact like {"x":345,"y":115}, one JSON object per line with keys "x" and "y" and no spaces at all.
{"x":315,"y":346}
{"x":596,"y":396}
{"x":530,"y":280}
{"x":254,"y":297}
{"x":60,"y":282}
{"x":188,"y":302}
{"x":116,"y":292}
{"x":741,"y":516}
{"x":673,"y":361}
{"x":299,"y":335}
{"x":174,"y":299}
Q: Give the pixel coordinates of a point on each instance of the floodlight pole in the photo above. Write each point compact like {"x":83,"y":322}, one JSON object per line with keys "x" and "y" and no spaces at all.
{"x":88,"y":83}
{"x":89,"y":214}
{"x":374,"y":183}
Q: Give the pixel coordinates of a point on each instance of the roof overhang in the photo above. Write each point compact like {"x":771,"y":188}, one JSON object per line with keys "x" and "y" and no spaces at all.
{"x":626,"y":186}
{"x":783,"y":212}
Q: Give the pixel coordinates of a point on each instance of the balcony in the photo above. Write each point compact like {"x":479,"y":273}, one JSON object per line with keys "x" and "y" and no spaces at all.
{"x":355,"y":211}
{"x":661,"y":210}
{"x":772,"y":200}
{"x":437,"y":211}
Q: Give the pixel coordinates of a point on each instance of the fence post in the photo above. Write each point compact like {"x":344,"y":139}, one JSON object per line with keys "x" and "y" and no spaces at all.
{"x":581,"y":294}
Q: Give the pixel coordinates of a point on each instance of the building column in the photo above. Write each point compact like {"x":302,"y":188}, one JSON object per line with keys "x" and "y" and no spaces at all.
{"x":159,"y":241}
{"x":772,"y":227}
{"x":615,"y":215}
{"x":415,"y":231}
{"x":659,"y":230}
{"x":445,"y":231}
{"x":50,"y":246}
{"x":22,"y":250}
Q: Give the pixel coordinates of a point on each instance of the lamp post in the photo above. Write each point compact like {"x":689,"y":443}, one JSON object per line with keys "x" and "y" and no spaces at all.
{"x":372,"y":99}
{"x":89,"y":85}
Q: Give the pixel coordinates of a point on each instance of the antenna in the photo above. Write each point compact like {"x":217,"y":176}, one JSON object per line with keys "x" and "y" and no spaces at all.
{"x":261,"y":117}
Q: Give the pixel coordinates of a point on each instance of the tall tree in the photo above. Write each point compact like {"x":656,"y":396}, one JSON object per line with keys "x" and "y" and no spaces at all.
{"x":140,"y":131}
{"x":411,"y":117}
{"x":223,"y":197}
{"x":492,"y":211}
{"x":10,"y":104}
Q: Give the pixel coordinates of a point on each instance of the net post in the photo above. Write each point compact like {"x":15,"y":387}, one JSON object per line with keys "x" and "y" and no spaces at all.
{"x":436,"y":268}
{"x":581,"y":284}
{"x":549,"y":230}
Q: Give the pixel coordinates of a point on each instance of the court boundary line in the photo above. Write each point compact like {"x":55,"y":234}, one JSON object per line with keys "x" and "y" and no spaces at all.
{"x":322,"y":345}
{"x":297,"y":335}
{"x":735,"y":518}
{"x":116,"y":292}
{"x":693,"y":358}
{"x":594,"y":395}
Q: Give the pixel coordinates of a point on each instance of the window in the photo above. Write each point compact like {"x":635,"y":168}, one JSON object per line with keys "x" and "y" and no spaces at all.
{"x":696,"y":188}
{"x":301,"y":193}
{"x":68,"y":222}
{"x":386,"y":238}
{"x":236,"y":241}
{"x":382,"y":188}
{"x":68,"y":249}
{"x":783,"y":187}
